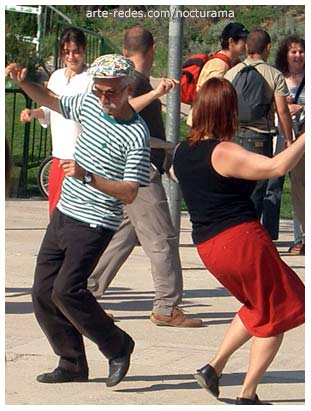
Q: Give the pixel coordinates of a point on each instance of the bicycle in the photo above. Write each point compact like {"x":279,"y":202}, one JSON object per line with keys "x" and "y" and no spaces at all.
{"x":42,"y":177}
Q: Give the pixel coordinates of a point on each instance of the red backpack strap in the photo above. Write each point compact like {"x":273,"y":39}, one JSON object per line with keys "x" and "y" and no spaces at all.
{"x":197,"y":60}
{"x":222,"y":57}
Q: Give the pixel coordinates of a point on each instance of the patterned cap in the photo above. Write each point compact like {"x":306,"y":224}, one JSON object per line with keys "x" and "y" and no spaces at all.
{"x":111,"y":66}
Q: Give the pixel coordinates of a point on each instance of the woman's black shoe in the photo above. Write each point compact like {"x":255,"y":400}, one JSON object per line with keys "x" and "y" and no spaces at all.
{"x":248,"y":401}
{"x":62,"y":375}
{"x":208,"y":379}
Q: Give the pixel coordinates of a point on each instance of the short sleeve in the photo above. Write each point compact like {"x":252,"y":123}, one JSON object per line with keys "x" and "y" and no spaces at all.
{"x":45,"y":122}
{"x":137,"y":167}
{"x":281,"y":88}
{"x":71,"y":106}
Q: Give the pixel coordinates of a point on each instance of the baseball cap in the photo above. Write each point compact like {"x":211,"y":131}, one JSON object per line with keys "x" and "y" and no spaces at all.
{"x":234,"y":30}
{"x":111,"y":66}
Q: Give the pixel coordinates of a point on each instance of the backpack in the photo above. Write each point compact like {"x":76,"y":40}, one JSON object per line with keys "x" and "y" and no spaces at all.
{"x":250,"y":87}
{"x":191,"y":70}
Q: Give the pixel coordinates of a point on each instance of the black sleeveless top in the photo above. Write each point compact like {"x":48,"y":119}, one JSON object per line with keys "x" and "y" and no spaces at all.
{"x":214,"y":202}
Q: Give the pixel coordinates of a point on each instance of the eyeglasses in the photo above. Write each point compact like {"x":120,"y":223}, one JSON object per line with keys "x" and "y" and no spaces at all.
{"x":108,"y":94}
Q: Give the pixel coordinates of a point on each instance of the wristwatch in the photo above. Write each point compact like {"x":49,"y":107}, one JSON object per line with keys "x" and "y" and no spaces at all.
{"x":87,"y":179}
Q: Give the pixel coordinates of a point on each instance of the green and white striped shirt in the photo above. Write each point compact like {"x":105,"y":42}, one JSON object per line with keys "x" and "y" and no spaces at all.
{"x":108,"y":148}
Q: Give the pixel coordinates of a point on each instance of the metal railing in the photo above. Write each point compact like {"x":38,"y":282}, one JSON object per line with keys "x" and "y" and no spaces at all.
{"x":29,"y":142}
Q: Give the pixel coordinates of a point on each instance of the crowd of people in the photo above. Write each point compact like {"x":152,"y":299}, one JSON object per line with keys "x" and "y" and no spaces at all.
{"x":106,"y":196}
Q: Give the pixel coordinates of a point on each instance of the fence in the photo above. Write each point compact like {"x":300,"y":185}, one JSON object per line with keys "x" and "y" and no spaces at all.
{"x":29,"y":142}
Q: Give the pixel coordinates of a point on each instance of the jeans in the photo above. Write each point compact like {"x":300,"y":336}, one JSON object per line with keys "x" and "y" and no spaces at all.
{"x":259,"y":143}
{"x":272,"y":206}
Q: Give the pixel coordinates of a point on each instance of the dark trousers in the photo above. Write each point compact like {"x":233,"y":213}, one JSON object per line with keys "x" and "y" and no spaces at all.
{"x":261,"y":144}
{"x":63,"y":306}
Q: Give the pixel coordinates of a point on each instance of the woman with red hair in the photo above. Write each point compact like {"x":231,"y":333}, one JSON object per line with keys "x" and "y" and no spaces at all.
{"x":217,"y":178}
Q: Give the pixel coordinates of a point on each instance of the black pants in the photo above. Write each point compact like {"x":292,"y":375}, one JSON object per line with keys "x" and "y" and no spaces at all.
{"x":259,"y":143}
{"x":63,"y":306}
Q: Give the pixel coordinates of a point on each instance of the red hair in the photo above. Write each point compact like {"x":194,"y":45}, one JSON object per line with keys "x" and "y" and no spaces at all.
{"x":214,"y":111}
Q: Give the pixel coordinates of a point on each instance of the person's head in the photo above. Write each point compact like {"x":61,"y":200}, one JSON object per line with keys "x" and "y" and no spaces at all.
{"x":290,"y":55}
{"x":139,"y":42}
{"x":113,"y":77}
{"x":258,"y":42}
{"x":214,"y":111}
{"x":233,"y":39}
{"x":72,"y":46}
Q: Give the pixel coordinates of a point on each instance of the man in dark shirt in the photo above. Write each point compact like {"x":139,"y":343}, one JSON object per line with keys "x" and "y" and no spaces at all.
{"x":147,"y":220}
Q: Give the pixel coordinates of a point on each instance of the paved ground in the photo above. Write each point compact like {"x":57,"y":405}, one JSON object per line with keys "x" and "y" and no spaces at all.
{"x":165,"y":358}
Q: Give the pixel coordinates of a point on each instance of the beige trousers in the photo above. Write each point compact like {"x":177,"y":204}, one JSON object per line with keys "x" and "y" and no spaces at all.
{"x":147,"y":221}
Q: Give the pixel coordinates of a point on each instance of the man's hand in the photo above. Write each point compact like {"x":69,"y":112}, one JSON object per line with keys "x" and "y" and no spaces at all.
{"x":165,"y":85}
{"x":16,"y":72}
{"x":294,"y":108}
{"x":26,"y":115}
{"x":72,"y":169}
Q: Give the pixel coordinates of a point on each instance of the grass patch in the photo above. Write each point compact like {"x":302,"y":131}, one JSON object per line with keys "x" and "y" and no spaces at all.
{"x":286,"y":202}
{"x":29,"y":144}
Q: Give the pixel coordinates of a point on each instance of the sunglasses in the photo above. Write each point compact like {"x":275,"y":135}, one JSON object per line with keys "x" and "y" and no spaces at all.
{"x":108,"y":94}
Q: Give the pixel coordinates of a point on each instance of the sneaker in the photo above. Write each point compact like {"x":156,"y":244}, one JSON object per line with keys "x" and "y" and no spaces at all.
{"x":176,"y":319}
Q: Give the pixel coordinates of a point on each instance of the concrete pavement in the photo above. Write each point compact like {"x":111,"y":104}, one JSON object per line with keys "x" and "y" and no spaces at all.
{"x":164,"y":359}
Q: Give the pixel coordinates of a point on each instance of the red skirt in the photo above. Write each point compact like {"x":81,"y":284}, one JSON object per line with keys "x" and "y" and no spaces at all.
{"x":246,"y":262}
{"x":56,"y":177}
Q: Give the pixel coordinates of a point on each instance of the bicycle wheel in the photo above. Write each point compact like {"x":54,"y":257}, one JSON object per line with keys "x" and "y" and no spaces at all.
{"x":43,"y":175}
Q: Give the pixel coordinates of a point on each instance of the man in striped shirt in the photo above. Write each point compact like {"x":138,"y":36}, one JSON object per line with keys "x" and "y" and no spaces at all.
{"x":114,"y":149}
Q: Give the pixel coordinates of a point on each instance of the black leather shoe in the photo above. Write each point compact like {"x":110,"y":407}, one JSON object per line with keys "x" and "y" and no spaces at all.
{"x":119,"y":366}
{"x":208,"y":379}
{"x":62,"y":375}
{"x":248,"y":401}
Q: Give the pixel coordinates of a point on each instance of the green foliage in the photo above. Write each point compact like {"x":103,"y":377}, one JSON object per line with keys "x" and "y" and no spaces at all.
{"x":159,"y":68}
{"x":18,"y":26}
{"x":200,"y":34}
{"x":25,"y":55}
{"x":277,"y":20}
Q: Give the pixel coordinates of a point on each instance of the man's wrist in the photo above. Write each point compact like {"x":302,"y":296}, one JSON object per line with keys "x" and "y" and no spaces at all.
{"x":21,"y":83}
